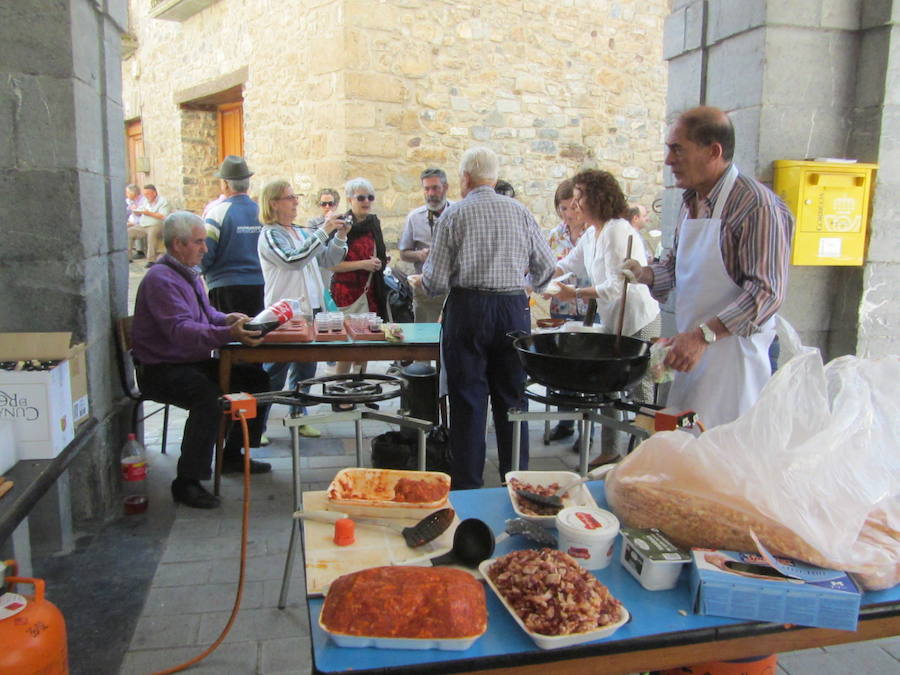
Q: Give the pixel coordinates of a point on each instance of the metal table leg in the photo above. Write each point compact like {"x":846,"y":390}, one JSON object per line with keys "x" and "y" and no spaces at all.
{"x":516,"y":443}
{"x":295,"y":523}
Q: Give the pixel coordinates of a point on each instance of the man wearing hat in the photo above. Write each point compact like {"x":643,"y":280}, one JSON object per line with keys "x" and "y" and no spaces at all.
{"x":231,"y":264}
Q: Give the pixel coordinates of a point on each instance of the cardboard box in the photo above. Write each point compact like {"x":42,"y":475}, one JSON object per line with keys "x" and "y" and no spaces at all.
{"x":43,"y":405}
{"x":745,"y":586}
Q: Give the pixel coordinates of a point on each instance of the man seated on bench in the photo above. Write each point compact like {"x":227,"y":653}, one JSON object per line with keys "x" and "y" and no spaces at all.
{"x":174,"y":332}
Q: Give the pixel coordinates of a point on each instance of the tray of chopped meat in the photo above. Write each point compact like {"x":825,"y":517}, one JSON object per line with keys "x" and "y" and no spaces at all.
{"x":405,"y":608}
{"x":545,"y":483}
{"x":552,"y":598}
{"x":388,"y":493}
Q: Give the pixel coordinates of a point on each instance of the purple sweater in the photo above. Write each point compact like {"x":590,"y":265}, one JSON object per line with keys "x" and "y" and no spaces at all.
{"x":173,"y":320}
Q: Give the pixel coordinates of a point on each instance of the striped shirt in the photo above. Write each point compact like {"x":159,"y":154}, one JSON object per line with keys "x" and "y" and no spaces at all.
{"x":487,"y":242}
{"x":755,"y":240}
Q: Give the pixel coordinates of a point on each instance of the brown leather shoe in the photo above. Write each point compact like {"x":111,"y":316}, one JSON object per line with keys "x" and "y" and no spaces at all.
{"x":602,"y":459}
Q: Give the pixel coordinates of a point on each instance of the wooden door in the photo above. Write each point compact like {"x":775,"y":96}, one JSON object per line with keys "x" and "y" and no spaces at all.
{"x":231,"y":129}
{"x":134,"y":143}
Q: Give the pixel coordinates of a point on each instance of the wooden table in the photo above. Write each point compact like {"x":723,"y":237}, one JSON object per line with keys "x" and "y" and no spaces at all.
{"x":658,"y":635}
{"x":422,"y":342}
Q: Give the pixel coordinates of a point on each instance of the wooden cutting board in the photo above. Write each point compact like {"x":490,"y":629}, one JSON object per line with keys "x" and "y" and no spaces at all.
{"x":374,"y":546}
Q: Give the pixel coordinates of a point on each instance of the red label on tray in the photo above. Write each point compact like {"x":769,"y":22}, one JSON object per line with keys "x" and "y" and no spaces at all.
{"x":589,"y":522}
{"x":578,"y":552}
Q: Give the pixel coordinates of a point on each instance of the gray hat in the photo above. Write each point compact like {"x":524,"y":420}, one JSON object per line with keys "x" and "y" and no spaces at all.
{"x":233,"y":168}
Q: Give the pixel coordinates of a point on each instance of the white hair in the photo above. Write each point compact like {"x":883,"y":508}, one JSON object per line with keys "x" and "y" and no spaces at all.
{"x":238,"y":184}
{"x":178,"y":226}
{"x":354,"y":185}
{"x":481,"y":163}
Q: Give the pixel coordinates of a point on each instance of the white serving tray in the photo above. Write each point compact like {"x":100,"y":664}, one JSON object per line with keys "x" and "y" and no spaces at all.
{"x":578,"y":496}
{"x":553,"y":641}
{"x":381,"y":482}
{"x":449,"y":644}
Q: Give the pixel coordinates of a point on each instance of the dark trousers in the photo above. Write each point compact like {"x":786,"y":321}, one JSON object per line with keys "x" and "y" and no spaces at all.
{"x":247,"y":299}
{"x":195,"y":387}
{"x":480,"y":361}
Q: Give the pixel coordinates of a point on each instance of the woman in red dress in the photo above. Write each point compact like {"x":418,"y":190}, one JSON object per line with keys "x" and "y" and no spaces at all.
{"x":362,"y":270}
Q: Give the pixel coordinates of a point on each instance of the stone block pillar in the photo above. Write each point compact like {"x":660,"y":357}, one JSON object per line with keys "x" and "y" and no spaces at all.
{"x":802,"y":80}
{"x":62,"y":178}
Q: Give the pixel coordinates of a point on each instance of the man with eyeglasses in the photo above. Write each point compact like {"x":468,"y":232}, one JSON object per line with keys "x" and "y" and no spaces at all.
{"x":231,"y":265}
{"x":418,"y":235}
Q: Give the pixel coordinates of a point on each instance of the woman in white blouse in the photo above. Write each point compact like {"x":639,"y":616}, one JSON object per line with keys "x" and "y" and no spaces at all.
{"x":598,"y":256}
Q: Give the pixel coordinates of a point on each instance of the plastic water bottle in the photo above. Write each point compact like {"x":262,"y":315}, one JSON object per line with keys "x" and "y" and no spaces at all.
{"x":275,"y":315}
{"x":134,"y":475}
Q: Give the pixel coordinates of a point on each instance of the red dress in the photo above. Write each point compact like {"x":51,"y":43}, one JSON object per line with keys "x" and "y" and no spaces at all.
{"x":346,"y":287}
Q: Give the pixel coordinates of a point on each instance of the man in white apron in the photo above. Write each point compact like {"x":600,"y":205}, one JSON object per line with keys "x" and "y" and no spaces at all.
{"x":729,"y":266}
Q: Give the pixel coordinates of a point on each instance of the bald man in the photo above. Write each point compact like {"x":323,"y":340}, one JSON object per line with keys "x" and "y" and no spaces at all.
{"x":729,"y":265}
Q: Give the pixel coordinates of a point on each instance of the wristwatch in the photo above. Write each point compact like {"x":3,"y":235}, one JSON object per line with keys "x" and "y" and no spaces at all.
{"x":708,"y":333}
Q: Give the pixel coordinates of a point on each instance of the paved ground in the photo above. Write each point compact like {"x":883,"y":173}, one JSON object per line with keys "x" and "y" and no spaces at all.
{"x":184,"y":562}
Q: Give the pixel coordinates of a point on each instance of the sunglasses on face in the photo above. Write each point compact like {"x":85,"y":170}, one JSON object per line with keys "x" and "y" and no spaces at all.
{"x":326,"y":204}
{"x":362,"y":198}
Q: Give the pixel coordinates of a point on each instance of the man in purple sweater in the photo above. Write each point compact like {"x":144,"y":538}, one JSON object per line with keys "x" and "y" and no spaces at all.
{"x":174,"y":332}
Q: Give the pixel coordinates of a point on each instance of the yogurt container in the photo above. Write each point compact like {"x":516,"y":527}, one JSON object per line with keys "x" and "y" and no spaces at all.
{"x":588,"y":534}
{"x":651,"y":558}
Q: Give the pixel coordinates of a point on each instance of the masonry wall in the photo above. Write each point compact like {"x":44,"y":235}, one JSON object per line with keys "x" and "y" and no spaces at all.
{"x":802,"y":80}
{"x":62,"y":179}
{"x":340,"y":88}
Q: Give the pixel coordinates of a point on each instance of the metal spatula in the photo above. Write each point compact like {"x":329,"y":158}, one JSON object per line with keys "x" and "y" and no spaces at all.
{"x":429,"y":528}
{"x":555,"y":500}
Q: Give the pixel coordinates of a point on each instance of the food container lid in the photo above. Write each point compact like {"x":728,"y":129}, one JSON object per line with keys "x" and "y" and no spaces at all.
{"x":587,"y":521}
{"x":653,"y":545}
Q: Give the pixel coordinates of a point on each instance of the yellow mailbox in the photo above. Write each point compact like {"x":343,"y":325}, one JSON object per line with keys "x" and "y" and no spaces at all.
{"x":830,"y":202}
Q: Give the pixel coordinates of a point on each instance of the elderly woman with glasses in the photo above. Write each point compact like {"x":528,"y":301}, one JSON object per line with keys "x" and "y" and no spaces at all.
{"x":358,"y":282}
{"x":289,"y":256}
{"x":328,"y":200}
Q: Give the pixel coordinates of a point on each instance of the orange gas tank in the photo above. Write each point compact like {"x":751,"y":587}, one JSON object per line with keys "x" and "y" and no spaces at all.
{"x":32,"y":632}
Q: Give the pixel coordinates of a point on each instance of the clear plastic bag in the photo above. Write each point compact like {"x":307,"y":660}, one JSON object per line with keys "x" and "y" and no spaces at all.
{"x":813,"y":468}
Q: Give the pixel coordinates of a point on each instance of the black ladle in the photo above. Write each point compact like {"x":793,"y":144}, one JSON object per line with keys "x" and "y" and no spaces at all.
{"x":473,"y":542}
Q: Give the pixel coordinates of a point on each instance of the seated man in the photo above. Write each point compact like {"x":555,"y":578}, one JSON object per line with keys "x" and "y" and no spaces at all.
{"x":174,"y":332}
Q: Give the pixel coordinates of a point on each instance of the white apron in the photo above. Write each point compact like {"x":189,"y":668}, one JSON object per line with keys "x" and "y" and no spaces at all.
{"x":732,"y":371}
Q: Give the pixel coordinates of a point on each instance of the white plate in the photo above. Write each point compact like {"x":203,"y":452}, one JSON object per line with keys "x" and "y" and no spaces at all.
{"x":449,"y":644}
{"x":578,"y":496}
{"x":553,"y":641}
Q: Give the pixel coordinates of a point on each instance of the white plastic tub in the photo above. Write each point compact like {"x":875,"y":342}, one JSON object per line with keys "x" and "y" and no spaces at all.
{"x":588,"y":535}
{"x":651,"y":558}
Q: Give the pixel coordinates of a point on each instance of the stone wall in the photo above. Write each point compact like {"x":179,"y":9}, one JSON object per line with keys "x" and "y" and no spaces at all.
{"x":802,"y":80}
{"x":340,"y":88}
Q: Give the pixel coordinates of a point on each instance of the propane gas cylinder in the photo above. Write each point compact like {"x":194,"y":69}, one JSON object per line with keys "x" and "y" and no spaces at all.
{"x":32,"y":632}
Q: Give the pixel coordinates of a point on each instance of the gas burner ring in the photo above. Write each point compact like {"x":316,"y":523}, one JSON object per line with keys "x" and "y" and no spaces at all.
{"x":575,"y":400}
{"x":351,"y":388}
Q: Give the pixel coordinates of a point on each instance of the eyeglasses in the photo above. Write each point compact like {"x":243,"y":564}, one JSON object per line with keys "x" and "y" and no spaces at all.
{"x":362,"y":198}
{"x":326,"y":204}
{"x":293,"y":198}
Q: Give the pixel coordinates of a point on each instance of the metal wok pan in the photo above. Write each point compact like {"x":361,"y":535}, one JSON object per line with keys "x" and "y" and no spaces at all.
{"x":584,"y":362}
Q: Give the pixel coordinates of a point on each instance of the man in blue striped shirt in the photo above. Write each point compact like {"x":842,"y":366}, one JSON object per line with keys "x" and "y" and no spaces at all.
{"x":487,"y":250}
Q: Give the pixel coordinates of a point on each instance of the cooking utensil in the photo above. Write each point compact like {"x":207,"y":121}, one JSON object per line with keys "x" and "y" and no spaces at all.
{"x":430,"y":527}
{"x":583,"y":362}
{"x":624,"y":295}
{"x":590,"y":312}
{"x":532,"y":531}
{"x":473,"y":542}
{"x":555,"y":500}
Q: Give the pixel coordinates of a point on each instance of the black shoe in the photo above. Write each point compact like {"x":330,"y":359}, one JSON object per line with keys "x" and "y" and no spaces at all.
{"x":138,"y":255}
{"x":148,"y":265}
{"x":373,"y":406}
{"x":237,"y":466}
{"x":342,"y":407}
{"x":576,"y":446}
{"x":560,"y":432}
{"x":191,"y":493}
